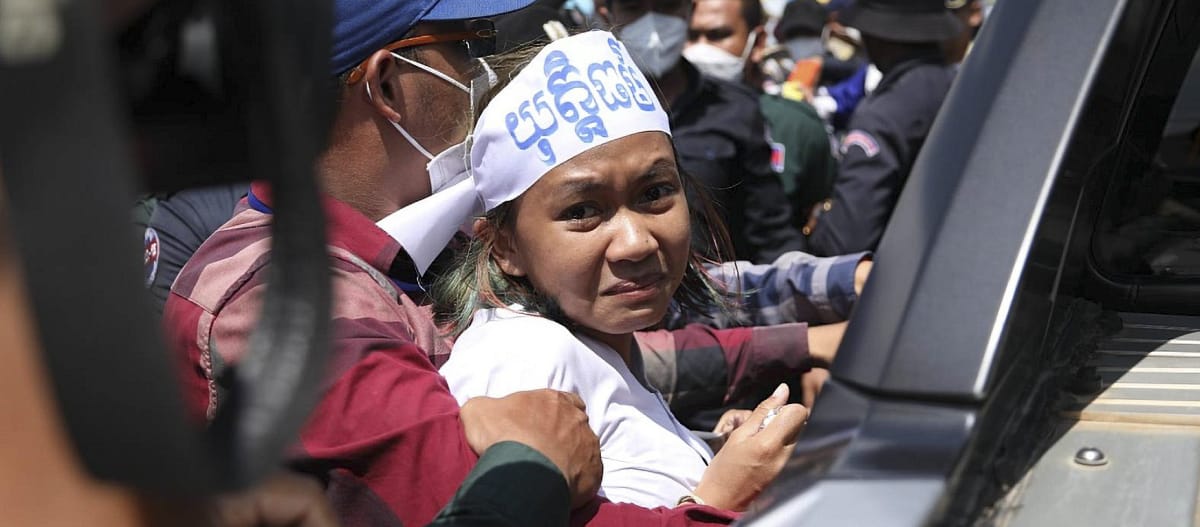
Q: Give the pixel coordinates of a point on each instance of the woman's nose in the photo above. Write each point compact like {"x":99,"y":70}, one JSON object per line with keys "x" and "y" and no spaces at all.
{"x":632,"y":239}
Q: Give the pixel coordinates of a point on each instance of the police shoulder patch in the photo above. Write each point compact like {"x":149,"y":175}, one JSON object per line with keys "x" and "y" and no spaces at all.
{"x":150,"y":256}
{"x":778,"y":155}
{"x":862,"y":140}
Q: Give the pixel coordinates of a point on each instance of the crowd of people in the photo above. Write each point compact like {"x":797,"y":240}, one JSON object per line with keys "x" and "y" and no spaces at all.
{"x":566,"y":236}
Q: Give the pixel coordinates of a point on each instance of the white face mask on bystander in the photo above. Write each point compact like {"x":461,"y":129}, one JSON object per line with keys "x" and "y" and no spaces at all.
{"x":449,"y":166}
{"x":655,"y":41}
{"x":716,"y":62}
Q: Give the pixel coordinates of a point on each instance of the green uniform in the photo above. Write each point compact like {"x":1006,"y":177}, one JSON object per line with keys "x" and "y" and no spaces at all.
{"x":800,"y":152}
{"x":511,"y":485}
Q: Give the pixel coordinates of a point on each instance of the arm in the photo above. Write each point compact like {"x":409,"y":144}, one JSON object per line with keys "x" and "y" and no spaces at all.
{"x":864,"y":193}
{"x":181,"y":223}
{"x":601,"y":513}
{"x":385,"y":437}
{"x":699,"y":367}
{"x":796,"y":287}
{"x":848,"y":93}
{"x":768,"y":228}
{"x":488,"y":497}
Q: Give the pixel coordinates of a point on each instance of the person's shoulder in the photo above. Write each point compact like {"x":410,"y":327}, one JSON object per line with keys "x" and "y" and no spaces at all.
{"x":227,"y":260}
{"x":504,"y":351}
{"x":779,"y":109}
{"x":909,"y":104}
{"x":935,"y":70}
{"x":927,"y":80}
{"x":203,"y":209}
{"x":732,"y":94}
{"x":510,"y":332}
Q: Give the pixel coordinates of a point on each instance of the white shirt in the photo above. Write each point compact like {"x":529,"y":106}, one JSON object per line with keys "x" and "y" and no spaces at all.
{"x":650,"y":459}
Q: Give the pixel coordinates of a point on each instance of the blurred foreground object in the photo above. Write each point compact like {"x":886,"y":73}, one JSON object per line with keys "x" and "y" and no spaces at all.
{"x":68,"y":174}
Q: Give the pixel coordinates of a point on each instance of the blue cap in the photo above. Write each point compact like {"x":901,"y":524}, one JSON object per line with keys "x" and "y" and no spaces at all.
{"x":362,"y":26}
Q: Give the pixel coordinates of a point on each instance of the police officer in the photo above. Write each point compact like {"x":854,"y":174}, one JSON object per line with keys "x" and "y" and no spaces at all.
{"x":717,"y":128}
{"x":887,"y":130}
{"x":726,"y":40}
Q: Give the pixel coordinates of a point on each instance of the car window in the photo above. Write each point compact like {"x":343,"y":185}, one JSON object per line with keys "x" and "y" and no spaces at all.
{"x":1153,"y":223}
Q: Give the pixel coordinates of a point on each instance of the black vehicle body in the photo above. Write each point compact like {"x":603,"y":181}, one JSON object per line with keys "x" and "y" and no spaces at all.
{"x":978,"y":348}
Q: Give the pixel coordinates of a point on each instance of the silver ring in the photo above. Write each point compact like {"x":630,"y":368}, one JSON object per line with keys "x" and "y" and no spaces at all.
{"x":770,"y":416}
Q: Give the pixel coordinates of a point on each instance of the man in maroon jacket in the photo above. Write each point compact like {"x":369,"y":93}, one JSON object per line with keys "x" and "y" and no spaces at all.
{"x":387,"y":438}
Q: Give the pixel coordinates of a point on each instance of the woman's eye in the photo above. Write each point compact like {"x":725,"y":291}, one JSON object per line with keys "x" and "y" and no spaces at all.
{"x":580,"y":212}
{"x":658,"y":192}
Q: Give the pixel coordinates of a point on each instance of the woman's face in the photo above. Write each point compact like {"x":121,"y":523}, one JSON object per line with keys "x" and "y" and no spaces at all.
{"x":604,"y":234}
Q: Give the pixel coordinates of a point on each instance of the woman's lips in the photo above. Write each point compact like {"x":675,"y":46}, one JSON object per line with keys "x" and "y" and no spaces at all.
{"x":642,"y":286}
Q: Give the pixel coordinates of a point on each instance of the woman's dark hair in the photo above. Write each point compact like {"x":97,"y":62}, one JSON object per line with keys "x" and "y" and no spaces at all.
{"x":476,"y":282}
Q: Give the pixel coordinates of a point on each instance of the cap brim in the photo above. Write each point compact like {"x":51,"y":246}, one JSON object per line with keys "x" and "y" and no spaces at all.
{"x":907,"y":27}
{"x":471,"y":9}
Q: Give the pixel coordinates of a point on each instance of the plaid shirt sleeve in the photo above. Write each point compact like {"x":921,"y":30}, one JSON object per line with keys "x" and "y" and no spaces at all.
{"x":796,"y":287}
{"x":699,"y":367}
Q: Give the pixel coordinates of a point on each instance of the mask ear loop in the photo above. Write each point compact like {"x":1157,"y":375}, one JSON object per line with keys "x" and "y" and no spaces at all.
{"x":477,"y":90}
{"x":407,"y":137}
{"x":750,"y":42}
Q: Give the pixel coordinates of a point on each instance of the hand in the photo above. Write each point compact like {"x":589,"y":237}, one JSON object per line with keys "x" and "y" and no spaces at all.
{"x":823,"y":342}
{"x":731,"y":420}
{"x":861,"y":272}
{"x":751,"y":457}
{"x":810,"y":385}
{"x":288,"y":500}
{"x":549,"y":421}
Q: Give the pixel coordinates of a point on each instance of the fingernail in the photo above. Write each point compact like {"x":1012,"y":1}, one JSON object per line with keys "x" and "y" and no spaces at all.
{"x":781,"y":391}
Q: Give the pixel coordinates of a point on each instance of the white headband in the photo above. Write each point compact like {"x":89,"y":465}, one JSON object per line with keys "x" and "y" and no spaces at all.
{"x":578,"y":93}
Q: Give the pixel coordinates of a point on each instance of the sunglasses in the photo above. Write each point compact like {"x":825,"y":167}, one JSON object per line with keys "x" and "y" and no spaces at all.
{"x":479,"y":40}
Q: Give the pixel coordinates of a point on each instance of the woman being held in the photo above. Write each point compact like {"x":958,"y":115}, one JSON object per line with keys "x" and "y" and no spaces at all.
{"x":585,"y":239}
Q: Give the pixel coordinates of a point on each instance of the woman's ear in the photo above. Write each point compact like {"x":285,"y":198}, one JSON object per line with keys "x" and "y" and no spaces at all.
{"x":503,"y":248}
{"x":382,"y":82}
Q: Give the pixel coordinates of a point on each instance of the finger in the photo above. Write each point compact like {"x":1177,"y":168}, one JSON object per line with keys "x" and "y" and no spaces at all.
{"x":777,"y":399}
{"x":726,"y":425}
{"x":575,"y":400}
{"x":810,"y":395}
{"x":751,"y":424}
{"x":738,"y":417}
{"x":730,"y":420}
{"x":786,"y":426}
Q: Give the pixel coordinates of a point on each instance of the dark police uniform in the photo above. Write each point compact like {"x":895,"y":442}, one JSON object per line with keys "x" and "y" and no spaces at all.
{"x":884,"y":137}
{"x":178,"y":225}
{"x":720,"y":136}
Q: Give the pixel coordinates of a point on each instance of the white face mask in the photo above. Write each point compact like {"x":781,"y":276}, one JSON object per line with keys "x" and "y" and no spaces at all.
{"x":804,"y":47}
{"x":655,"y":41}
{"x":450,"y":165}
{"x":717,"y":62}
